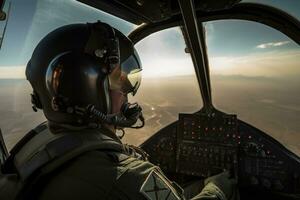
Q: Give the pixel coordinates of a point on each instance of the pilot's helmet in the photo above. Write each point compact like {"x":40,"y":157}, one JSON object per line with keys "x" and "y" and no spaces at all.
{"x":80,"y":65}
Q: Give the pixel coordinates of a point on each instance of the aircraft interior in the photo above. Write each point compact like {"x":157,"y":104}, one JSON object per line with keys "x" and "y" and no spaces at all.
{"x":201,"y":144}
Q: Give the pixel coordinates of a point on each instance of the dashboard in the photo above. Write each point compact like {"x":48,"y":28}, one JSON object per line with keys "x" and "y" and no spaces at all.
{"x":204,"y":144}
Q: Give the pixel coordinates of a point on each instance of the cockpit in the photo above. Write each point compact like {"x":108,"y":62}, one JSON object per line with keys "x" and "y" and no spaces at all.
{"x":220,"y":86}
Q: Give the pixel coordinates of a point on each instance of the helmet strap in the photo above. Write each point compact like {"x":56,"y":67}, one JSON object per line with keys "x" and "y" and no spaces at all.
{"x":35,"y":101}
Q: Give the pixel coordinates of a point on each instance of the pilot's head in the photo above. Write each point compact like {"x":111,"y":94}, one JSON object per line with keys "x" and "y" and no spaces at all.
{"x":81,"y":75}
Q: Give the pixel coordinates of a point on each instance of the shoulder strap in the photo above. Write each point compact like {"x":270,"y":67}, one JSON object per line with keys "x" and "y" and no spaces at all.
{"x":40,"y":152}
{"x":54,"y":150}
{"x":28,"y":137}
{"x":9,"y":167}
{"x":78,"y":144}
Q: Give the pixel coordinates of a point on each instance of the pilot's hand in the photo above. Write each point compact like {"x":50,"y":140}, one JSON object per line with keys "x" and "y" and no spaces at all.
{"x":223,"y":184}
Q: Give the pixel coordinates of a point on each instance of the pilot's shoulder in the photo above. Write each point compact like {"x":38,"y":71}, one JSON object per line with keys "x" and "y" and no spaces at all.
{"x":111,"y":175}
{"x":141,"y":179}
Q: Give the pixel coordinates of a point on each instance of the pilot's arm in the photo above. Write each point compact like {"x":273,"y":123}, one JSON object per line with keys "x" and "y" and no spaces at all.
{"x":152,"y":184}
{"x":103,"y":175}
{"x":219,"y":187}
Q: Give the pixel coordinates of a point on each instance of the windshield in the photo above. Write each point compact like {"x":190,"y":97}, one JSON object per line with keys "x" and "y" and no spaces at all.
{"x":255,"y":73}
{"x":28,"y":22}
{"x":169,"y":85}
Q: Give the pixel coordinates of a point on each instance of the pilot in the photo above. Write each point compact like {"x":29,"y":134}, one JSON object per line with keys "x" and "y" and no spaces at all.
{"x":81,"y":76}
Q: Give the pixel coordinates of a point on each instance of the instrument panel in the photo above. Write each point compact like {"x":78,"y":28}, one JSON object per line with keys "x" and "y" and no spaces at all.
{"x":211,"y":140}
{"x":202,"y":145}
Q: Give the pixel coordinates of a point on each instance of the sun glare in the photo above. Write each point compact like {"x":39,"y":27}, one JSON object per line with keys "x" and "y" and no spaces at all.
{"x":12,"y":72}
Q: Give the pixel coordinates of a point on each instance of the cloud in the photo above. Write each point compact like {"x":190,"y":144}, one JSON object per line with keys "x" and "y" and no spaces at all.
{"x":270,"y":64}
{"x":12,"y":72}
{"x":272,"y":44}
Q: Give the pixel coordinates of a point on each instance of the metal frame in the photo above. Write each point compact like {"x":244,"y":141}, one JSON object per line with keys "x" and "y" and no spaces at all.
{"x":263,"y":14}
{"x":3,"y":151}
{"x":195,"y":38}
{"x":118,"y":9}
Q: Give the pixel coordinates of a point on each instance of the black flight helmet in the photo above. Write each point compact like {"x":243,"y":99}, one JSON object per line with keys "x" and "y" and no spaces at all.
{"x":81,"y":69}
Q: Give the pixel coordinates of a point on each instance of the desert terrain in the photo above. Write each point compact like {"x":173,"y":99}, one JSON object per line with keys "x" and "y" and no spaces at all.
{"x":270,"y":105}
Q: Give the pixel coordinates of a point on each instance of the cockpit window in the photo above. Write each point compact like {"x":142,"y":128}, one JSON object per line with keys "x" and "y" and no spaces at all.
{"x":28,"y":22}
{"x":292,"y":7}
{"x":255,"y":72}
{"x":169,"y":84}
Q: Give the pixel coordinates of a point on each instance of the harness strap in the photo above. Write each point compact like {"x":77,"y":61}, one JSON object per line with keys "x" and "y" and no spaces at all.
{"x":9,"y":166}
{"x":64,"y":148}
{"x":42,"y":152}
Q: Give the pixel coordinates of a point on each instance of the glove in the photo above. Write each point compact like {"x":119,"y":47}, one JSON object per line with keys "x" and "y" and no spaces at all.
{"x":222,"y":183}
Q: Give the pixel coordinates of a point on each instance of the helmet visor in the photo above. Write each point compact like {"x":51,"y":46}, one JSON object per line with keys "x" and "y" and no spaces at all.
{"x":126,"y":77}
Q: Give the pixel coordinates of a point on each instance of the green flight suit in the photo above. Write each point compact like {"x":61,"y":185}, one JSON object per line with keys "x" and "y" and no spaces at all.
{"x":108,"y":174}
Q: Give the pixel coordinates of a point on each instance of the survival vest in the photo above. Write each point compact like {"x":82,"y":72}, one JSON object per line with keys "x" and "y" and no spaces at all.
{"x":40,"y":152}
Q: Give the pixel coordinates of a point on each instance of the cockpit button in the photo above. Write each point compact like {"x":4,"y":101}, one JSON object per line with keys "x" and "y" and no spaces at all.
{"x":253,"y":180}
{"x":266,"y":183}
{"x":278,"y":185}
{"x":263,"y":153}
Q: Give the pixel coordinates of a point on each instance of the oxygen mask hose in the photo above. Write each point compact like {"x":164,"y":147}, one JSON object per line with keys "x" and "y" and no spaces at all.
{"x":130,"y":114}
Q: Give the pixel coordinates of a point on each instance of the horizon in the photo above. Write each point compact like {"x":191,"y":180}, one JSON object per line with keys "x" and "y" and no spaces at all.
{"x":267,"y":65}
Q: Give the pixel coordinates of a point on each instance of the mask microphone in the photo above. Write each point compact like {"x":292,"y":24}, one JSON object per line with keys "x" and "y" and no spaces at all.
{"x":130,"y":114}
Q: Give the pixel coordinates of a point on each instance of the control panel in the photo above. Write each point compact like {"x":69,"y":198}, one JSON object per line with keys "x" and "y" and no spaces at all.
{"x":201,"y":145}
{"x":206,"y":145}
{"x":162,"y":148}
{"x":266,"y":164}
{"x":208,"y":128}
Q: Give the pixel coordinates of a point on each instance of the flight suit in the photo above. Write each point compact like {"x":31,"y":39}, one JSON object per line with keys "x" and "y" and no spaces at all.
{"x":113,"y":175}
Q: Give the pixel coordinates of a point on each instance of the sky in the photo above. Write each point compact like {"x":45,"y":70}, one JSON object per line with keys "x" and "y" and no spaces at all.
{"x":31,"y":20}
{"x":235,"y":47}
